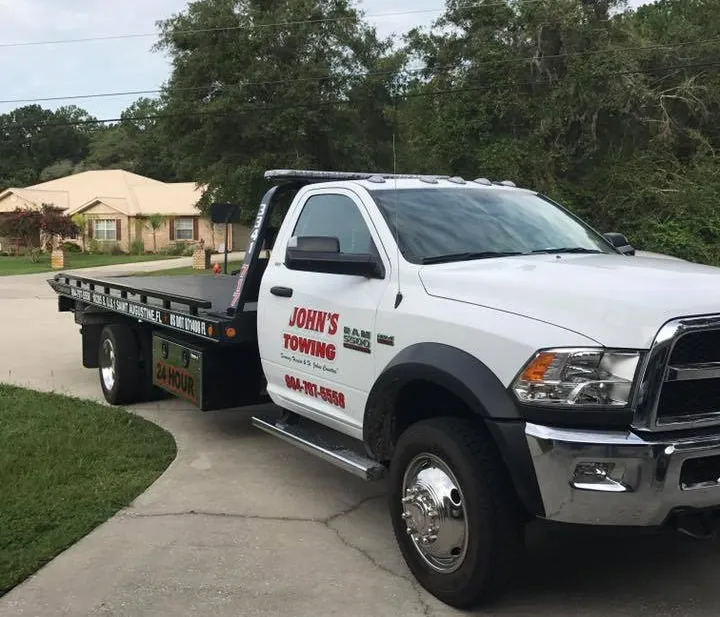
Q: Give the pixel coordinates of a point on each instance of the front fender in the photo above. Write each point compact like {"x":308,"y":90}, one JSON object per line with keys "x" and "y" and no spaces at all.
{"x":449,"y":367}
{"x":476,"y":385}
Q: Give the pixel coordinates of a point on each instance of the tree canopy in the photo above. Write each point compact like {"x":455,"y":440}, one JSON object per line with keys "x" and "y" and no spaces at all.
{"x":611,"y":111}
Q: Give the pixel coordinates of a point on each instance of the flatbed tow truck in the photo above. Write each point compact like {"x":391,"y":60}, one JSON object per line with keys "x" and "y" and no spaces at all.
{"x":475,"y":343}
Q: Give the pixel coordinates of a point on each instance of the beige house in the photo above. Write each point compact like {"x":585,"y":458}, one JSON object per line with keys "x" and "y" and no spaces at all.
{"x":116,"y":205}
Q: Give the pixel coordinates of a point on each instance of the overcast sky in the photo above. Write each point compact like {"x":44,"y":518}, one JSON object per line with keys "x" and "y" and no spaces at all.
{"x":59,"y":70}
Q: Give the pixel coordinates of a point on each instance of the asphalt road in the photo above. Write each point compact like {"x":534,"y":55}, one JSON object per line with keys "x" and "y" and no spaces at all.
{"x":244,"y":524}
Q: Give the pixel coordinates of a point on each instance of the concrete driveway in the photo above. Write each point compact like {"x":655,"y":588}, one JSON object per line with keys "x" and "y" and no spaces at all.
{"x":244,"y":524}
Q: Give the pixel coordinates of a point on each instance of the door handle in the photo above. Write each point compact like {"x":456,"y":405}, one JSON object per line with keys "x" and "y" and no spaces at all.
{"x":283,"y":292}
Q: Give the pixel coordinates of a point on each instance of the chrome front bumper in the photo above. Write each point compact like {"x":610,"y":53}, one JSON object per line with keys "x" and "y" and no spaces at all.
{"x":619,"y":478}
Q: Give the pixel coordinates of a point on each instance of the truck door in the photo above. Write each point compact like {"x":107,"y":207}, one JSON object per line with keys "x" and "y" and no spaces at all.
{"x":315,"y":329}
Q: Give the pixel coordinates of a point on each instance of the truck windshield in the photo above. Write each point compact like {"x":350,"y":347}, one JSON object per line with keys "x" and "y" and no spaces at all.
{"x":437,"y":225}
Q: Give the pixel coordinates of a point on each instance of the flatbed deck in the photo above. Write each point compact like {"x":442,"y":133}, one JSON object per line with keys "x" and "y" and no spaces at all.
{"x":217,"y":290}
{"x":200,"y":306}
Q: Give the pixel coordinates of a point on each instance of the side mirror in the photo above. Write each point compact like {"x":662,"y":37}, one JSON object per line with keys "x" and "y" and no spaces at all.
{"x":322,"y":254}
{"x":620,"y":242}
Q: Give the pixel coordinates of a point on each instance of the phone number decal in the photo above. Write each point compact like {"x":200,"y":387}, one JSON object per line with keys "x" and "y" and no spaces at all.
{"x":312,"y":389}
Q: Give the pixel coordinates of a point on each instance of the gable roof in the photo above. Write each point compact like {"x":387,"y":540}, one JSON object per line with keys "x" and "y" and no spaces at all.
{"x":29,"y":197}
{"x":124,"y":191}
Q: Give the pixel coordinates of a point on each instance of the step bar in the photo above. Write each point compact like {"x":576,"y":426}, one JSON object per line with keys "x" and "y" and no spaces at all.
{"x":323,"y":442}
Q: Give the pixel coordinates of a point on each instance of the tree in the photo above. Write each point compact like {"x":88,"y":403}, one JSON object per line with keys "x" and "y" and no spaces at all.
{"x":81,"y":222}
{"x":60,"y":169}
{"x":612,"y":112}
{"x":32,"y":139}
{"x":154,"y":222}
{"x":111,"y":148}
{"x":55,"y":225}
{"x":242,"y":100}
{"x":23,"y":226}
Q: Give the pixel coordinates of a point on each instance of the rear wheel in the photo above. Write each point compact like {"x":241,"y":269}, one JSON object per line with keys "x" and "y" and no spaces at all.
{"x":119,"y":358}
{"x":454,"y":513}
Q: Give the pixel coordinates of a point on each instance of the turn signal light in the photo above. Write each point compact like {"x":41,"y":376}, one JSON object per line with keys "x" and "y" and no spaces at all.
{"x":536,"y":370}
{"x":230,"y":332}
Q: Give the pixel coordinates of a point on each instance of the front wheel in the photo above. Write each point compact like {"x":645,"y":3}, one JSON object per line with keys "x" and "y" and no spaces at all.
{"x":454,"y":513}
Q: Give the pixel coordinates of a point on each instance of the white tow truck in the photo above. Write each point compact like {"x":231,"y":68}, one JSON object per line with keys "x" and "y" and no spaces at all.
{"x":474,"y":343}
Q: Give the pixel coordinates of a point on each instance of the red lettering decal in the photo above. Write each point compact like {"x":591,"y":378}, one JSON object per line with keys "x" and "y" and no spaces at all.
{"x":310,"y":347}
{"x":311,"y":318}
{"x":329,"y":396}
{"x":304,"y":345}
{"x":293,"y":317}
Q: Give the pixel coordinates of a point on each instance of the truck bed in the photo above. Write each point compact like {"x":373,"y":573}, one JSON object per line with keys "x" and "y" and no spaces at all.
{"x":217,"y":290}
{"x":193,"y":305}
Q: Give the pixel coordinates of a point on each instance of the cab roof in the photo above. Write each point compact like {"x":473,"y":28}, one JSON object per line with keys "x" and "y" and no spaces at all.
{"x":379,"y":181}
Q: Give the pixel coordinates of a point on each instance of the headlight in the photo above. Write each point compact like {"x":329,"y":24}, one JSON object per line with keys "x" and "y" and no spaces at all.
{"x":582,"y":377}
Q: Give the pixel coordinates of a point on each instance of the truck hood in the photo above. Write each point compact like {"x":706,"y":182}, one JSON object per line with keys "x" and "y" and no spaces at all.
{"x":615,"y":300}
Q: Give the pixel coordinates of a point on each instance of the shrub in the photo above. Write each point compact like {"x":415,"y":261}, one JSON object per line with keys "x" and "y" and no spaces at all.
{"x":177,"y":248}
{"x":71,"y":247}
{"x":137,"y":246}
{"x":113,"y":248}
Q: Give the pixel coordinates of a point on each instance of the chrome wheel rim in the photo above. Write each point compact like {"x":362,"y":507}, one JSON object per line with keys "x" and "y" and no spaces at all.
{"x":434,"y":513}
{"x":107,"y":364}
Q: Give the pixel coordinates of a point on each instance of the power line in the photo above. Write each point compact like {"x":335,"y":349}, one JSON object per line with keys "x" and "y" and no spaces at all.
{"x":136,"y":35}
{"x":337,"y":103}
{"x":363,"y":74}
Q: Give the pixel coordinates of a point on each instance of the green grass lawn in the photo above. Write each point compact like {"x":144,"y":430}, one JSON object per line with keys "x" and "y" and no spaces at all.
{"x":232,"y":265}
{"x":66,"y":466}
{"x":24,"y":265}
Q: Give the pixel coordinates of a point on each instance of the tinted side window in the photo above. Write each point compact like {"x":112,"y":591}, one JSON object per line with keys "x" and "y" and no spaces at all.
{"x":337,"y":216}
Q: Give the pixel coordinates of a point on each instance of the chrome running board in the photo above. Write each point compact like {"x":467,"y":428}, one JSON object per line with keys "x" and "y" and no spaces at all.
{"x":323,"y":442}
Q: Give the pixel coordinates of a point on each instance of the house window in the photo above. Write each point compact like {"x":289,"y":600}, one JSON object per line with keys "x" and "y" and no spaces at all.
{"x":105,"y":229}
{"x":184,"y":229}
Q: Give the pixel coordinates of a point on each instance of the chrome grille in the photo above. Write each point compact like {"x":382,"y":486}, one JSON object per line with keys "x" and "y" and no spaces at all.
{"x":680,"y":384}
{"x":691,"y":388}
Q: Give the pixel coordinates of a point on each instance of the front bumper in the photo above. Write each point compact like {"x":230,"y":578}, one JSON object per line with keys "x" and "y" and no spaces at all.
{"x":619,"y":478}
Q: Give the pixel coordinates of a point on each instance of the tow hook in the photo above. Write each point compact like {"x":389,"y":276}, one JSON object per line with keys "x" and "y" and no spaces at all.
{"x":696,"y":525}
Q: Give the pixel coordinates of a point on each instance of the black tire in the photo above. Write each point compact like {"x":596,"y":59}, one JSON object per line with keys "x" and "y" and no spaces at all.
{"x":118,"y":349}
{"x":495,"y":529}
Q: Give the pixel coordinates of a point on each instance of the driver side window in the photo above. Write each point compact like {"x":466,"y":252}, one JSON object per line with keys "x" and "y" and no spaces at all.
{"x":336,"y":216}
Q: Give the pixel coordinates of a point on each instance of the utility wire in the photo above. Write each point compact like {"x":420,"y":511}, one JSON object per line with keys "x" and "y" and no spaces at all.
{"x":338,"y":103}
{"x":348,"y":76}
{"x":281,"y":24}
{"x":113,"y":37}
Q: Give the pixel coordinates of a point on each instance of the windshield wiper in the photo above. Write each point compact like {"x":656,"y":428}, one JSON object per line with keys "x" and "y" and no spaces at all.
{"x":439,"y":259}
{"x":571,"y":249}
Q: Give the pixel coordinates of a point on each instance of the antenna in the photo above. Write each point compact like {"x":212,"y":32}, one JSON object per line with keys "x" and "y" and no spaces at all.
{"x":399,"y":296}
